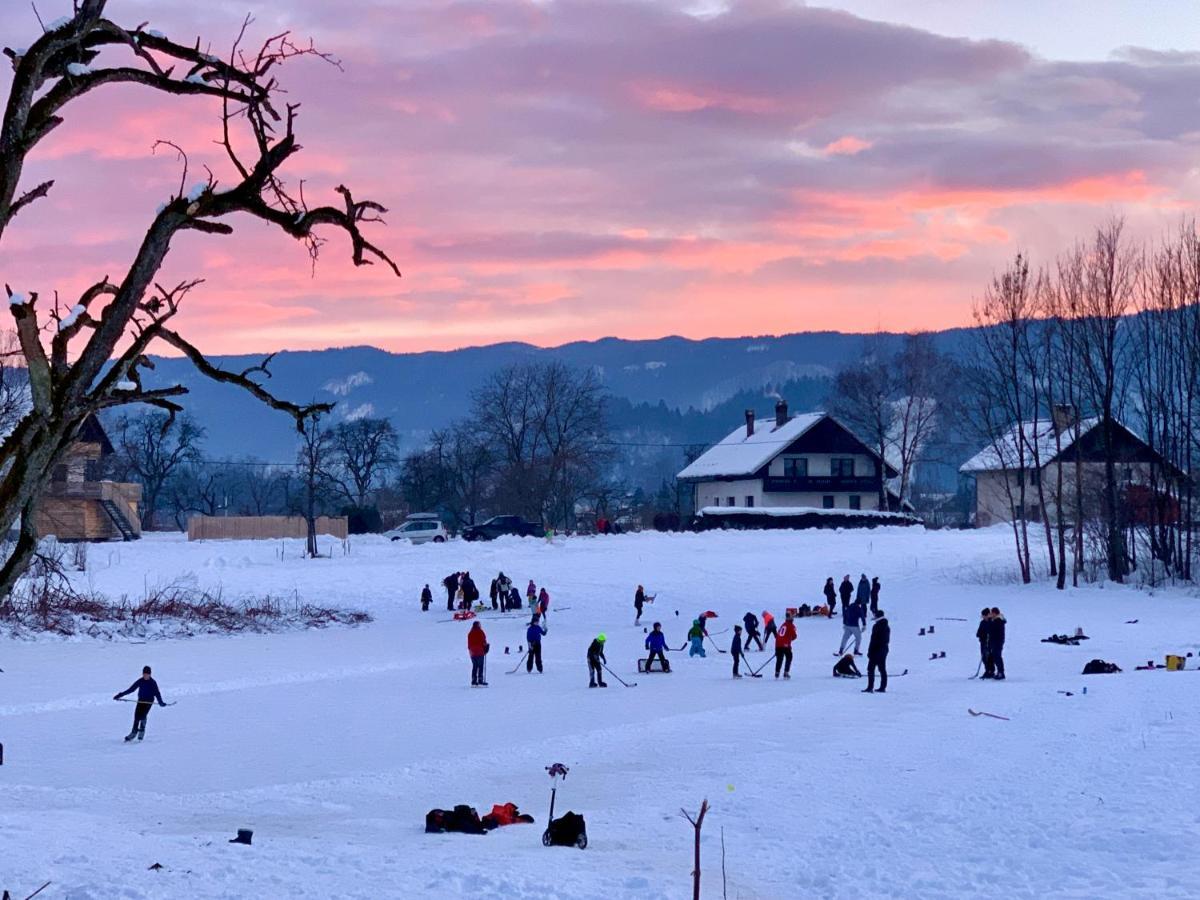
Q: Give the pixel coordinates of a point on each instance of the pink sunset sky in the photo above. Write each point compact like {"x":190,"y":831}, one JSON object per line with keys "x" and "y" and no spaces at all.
{"x":567,"y":170}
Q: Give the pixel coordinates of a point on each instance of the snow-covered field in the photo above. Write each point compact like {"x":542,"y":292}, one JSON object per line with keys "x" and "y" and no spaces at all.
{"x":331,"y":745}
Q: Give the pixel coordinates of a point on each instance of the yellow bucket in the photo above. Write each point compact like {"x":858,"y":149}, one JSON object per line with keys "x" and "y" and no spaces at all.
{"x":1175,"y":663}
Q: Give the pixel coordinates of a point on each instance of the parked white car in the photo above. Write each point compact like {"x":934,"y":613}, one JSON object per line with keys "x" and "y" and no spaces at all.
{"x":420,"y":531}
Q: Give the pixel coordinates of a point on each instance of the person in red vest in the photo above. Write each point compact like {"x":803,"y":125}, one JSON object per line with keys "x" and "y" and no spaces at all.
{"x":783,"y":647}
{"x":477,"y":647}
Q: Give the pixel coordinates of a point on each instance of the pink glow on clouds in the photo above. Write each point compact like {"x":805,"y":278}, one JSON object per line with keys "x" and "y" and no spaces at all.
{"x":567,"y":170}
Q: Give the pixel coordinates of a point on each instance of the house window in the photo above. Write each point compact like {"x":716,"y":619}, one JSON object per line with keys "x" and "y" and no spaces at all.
{"x":841,"y":467}
{"x":91,"y":470}
{"x":749,"y":502}
{"x":59,"y":473}
{"x":1129,"y":474}
{"x":827,"y":501}
{"x":1035,"y":476}
{"x":795,"y":467}
{"x":729,"y":501}
{"x":855,"y":501}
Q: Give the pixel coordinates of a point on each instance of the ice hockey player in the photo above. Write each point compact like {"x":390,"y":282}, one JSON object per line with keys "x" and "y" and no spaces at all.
{"x":656,"y":643}
{"x":830,"y":596}
{"x":982,"y":633}
{"x":147,"y":694}
{"x":735,"y":649}
{"x":783,"y":647}
{"x":533,"y":636}
{"x":845,"y":668}
{"x":854,"y":617}
{"x":426,"y":598}
{"x":639,"y":599}
{"x":750,"y":620}
{"x":696,"y":638}
{"x":596,"y":659}
{"x":997,"y":625}
{"x":477,"y":648}
{"x":877,"y":653}
{"x":769,"y":628}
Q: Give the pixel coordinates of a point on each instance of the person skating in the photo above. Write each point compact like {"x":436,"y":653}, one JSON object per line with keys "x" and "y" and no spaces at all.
{"x":845,"y":668}
{"x":656,"y":643}
{"x":983,"y":634}
{"x":854,"y":617}
{"x":639,"y":600}
{"x":147,"y":694}
{"x":783,"y":646}
{"x":695,"y":637}
{"x":477,"y":647}
{"x":750,"y":620}
{"x":996,"y":634}
{"x":531,"y":594}
{"x":450,"y":583}
{"x":846,"y":590}
{"x":830,"y":596}
{"x":769,"y":629}
{"x":735,"y":649}
{"x":875,"y":595}
{"x":877,"y":653}
{"x":426,"y":598}
{"x":543,"y":604}
{"x":596,"y":661}
{"x":533,"y":637}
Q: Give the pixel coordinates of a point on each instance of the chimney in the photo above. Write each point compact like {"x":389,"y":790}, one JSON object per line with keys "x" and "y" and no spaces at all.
{"x":749,"y":423}
{"x":1064,"y":417}
{"x":781,"y":415}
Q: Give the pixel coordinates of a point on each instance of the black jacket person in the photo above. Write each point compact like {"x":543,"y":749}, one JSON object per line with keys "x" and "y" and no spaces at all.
{"x":877,"y":652}
{"x":147,"y":694}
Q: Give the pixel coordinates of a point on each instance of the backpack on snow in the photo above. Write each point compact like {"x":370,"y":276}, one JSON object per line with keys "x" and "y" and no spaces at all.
{"x":568,"y":831}
{"x":462,"y":820}
{"x":1100,"y":667}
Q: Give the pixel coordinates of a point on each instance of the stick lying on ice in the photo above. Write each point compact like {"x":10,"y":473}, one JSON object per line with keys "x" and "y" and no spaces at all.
{"x":992,"y":715}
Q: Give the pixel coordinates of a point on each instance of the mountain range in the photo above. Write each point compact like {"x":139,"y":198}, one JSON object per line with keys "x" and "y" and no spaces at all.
{"x":671,"y":390}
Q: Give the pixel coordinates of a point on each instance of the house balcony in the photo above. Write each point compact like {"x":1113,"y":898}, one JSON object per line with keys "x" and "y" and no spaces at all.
{"x":95,"y":490}
{"x":817,"y":484}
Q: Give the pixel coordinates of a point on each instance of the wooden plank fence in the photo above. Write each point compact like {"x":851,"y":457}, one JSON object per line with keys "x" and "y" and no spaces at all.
{"x":259,"y":528}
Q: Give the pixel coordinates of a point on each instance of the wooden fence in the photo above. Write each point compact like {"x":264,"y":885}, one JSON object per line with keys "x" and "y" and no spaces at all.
{"x":257,"y":528}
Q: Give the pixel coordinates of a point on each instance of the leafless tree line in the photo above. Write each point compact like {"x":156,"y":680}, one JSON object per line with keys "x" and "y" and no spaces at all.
{"x":1106,"y":335}
{"x":534,"y":444}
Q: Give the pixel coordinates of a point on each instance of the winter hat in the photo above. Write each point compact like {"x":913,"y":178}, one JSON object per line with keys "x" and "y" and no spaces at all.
{"x":145,"y":670}
{"x":601,"y":638}
{"x":879,"y":613}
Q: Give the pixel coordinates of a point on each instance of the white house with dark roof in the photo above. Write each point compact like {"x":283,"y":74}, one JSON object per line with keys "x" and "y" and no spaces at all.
{"x":804,"y":462}
{"x":1019,"y":470}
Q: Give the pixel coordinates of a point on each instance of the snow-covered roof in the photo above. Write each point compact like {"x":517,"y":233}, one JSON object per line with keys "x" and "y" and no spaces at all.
{"x":739,"y":454}
{"x":1006,"y":451}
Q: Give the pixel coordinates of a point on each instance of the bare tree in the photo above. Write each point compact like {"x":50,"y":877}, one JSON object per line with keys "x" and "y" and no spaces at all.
{"x":1003,"y":397}
{"x":465,"y":466}
{"x":697,"y":823}
{"x":546,"y":423}
{"x":153,"y":447}
{"x":1110,"y":276}
{"x":198,"y":488}
{"x":364,"y":451}
{"x":98,"y":348}
{"x":314,"y":459}
{"x":922,"y":376}
{"x":863,"y":398}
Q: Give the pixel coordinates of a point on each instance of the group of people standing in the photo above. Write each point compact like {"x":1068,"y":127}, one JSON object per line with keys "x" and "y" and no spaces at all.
{"x":992,"y":626}
{"x":462,"y":593}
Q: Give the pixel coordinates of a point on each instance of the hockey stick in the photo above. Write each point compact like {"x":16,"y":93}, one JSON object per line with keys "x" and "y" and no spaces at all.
{"x":991,"y":715}
{"x":131,"y":700}
{"x":765,"y":663}
{"x":714,"y":643}
{"x":978,"y":669}
{"x":618,"y":677}
{"x":519,"y":661}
